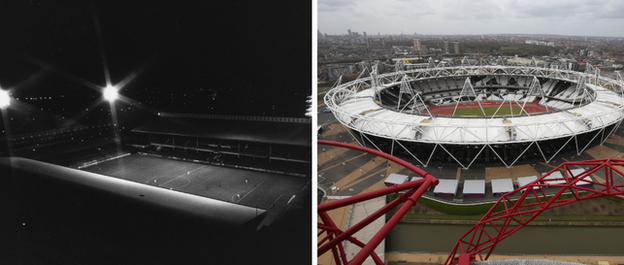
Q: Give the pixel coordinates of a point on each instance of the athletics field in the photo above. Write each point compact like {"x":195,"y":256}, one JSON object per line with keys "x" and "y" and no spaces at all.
{"x":245,"y":187}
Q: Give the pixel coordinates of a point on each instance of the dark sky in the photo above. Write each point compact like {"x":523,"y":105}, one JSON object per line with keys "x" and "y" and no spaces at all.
{"x":254,"y":58}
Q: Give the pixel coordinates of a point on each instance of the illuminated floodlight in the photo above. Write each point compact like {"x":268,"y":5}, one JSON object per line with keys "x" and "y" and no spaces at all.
{"x":110,"y":93}
{"x":5,"y":99}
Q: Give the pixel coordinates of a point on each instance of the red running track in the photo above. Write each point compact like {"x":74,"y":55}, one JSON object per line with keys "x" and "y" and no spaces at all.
{"x":530,"y":107}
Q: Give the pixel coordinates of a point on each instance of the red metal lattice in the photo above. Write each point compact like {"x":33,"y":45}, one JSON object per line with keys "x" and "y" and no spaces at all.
{"x":519,"y":208}
{"x":335,"y":236}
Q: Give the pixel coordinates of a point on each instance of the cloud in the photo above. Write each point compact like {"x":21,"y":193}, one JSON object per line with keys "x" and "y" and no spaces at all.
{"x":472,"y":16}
{"x":337,"y":5}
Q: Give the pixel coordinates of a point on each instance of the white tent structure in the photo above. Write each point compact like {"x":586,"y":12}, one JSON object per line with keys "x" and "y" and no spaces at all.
{"x":474,"y":188}
{"x":585,"y":182}
{"x":395,"y":179}
{"x":501,"y":186}
{"x":446,"y":188}
{"x":554,"y":178}
{"x":526,"y":180}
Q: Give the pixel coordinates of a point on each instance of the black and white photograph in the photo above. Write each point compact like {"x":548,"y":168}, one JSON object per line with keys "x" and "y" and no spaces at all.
{"x":155,"y":132}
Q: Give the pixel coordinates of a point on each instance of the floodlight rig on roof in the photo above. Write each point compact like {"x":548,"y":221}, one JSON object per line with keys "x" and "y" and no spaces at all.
{"x":535,"y":90}
{"x":468,"y":92}
{"x":5,"y":99}
{"x":110,"y":93}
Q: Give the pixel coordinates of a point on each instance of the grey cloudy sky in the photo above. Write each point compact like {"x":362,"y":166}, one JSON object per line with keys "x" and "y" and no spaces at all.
{"x":563,"y":17}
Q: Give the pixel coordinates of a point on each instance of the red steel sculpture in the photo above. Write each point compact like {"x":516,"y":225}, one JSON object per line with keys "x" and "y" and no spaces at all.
{"x":517,"y":208}
{"x":334,"y":236}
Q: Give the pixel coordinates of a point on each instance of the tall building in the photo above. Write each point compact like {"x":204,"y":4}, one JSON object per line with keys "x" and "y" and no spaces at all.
{"x":446,"y":46}
{"x":456,"y":47}
{"x":417,"y":47}
{"x":364,"y":34}
{"x":349,"y":30}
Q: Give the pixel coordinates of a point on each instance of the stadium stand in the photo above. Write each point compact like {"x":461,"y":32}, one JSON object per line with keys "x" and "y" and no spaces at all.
{"x":260,"y":143}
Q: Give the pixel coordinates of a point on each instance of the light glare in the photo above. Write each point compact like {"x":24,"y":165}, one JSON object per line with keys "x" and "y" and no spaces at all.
{"x":5,"y":99}
{"x":110,"y":93}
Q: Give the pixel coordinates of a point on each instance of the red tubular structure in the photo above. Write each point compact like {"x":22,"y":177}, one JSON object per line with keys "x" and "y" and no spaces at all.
{"x":516,"y":209}
{"x":335,"y":236}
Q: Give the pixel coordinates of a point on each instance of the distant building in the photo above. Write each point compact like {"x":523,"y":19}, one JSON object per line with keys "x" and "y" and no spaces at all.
{"x":446,"y":47}
{"x":456,"y":47}
{"x":417,"y":46}
{"x":562,"y":63}
{"x":336,"y":71}
{"x":349,"y":30}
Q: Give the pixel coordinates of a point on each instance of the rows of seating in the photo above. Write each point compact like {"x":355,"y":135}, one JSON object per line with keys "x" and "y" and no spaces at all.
{"x":232,"y":160}
{"x":443,"y":91}
{"x":392,"y":97}
{"x":208,"y":148}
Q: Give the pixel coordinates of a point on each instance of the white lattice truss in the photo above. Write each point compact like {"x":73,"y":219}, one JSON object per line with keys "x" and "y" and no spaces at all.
{"x":596,"y":103}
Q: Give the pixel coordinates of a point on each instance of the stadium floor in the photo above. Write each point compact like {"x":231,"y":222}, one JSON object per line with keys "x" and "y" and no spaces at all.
{"x":244,"y":187}
{"x":530,"y":107}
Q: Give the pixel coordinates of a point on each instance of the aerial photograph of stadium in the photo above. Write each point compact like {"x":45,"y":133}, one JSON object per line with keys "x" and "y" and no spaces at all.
{"x":470,"y":133}
{"x":154,"y":134}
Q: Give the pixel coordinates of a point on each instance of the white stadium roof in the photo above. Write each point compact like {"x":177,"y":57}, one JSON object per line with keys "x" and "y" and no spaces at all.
{"x":362,"y":113}
{"x":586,"y":106}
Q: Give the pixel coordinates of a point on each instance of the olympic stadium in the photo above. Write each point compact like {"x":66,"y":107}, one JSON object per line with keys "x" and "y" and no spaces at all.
{"x":481,"y":114}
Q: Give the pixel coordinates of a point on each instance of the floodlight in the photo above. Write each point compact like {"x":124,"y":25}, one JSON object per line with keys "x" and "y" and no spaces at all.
{"x":110,"y":93}
{"x":5,"y":99}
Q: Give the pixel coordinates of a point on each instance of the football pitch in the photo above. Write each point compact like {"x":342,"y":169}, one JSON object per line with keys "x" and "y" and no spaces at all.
{"x":245,"y":187}
{"x":489,"y":111}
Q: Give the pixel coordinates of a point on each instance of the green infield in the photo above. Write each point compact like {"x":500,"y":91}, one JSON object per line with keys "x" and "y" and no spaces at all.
{"x":488,"y":111}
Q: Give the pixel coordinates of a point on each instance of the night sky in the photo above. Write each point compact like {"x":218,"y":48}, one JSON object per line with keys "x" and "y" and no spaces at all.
{"x":186,"y":56}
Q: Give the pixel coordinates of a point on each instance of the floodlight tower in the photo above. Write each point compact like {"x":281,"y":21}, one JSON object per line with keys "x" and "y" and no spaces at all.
{"x":111,"y":93}
{"x":5,"y":99}
{"x":5,"y":102}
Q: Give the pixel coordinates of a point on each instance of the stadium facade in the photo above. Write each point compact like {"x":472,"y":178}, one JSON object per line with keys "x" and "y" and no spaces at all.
{"x":485,"y":113}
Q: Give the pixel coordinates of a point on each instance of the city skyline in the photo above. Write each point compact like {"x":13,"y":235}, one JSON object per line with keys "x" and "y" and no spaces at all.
{"x":569,"y":18}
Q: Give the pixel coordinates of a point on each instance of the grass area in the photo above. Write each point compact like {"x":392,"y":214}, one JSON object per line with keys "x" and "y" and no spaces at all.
{"x":508,"y":48}
{"x":489,"y":111}
{"x":321,"y":95}
{"x":540,"y":218}
{"x":605,"y":209}
{"x":450,"y":209}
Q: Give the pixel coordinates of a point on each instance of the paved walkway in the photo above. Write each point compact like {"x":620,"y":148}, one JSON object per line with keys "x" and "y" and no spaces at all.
{"x":346,"y":217}
{"x":393,"y":258}
{"x":352,"y":171}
